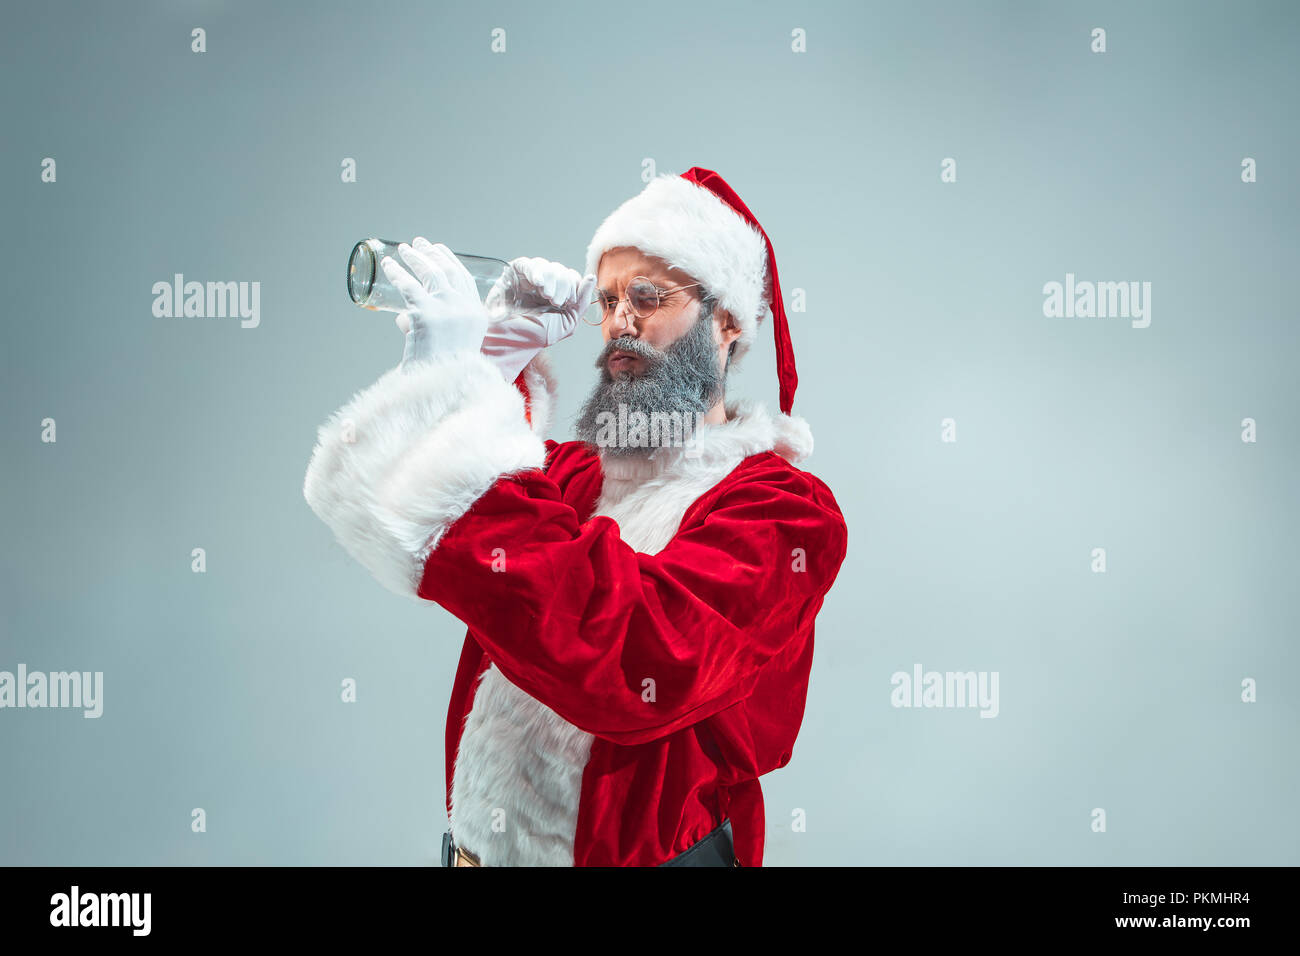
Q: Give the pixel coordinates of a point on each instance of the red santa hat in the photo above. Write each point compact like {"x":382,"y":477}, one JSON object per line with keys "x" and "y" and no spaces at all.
{"x":696,"y":223}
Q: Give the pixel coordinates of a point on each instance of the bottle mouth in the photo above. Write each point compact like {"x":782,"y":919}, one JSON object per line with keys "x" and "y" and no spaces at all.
{"x":362,"y":267}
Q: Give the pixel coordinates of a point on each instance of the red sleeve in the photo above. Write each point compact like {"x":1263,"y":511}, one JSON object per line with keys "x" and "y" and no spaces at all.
{"x":574,"y":616}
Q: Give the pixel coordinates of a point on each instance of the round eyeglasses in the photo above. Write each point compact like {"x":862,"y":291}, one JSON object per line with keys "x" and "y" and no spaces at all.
{"x":643,"y":298}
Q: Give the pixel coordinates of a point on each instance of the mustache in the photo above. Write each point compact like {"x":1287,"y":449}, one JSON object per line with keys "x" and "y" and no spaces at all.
{"x":628,"y":343}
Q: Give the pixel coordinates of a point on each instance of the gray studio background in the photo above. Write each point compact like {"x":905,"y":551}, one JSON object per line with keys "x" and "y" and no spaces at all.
{"x":1119,"y":690}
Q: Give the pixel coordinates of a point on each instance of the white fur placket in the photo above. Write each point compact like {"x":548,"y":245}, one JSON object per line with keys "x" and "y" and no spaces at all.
{"x":518,"y":772}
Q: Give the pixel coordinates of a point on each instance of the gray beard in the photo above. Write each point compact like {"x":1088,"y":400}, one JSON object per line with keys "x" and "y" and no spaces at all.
{"x":683,"y":382}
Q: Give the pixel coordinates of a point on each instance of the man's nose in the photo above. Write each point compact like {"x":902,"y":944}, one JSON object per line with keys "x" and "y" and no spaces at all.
{"x":624,"y":322}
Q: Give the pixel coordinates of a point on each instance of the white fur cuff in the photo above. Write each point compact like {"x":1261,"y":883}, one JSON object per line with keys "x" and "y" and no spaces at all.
{"x":395,"y":467}
{"x":539,"y":376}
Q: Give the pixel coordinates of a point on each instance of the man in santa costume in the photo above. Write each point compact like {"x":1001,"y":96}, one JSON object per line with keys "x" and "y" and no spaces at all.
{"x":640,"y":613}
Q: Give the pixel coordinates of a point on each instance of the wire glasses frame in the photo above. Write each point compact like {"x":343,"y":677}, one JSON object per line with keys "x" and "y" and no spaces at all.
{"x":638,"y":285}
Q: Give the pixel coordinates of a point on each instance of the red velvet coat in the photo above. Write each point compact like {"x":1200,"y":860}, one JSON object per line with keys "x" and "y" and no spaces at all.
{"x":628,"y":675}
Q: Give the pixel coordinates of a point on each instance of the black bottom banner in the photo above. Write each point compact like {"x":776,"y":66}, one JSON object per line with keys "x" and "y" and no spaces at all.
{"x":208,"y":905}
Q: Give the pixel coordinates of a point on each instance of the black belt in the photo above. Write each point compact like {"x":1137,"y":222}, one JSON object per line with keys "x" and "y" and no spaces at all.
{"x":715,"y":849}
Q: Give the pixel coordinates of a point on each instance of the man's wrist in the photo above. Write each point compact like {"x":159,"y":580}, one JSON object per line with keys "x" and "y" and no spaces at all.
{"x":455,"y":356}
{"x":509,"y":359}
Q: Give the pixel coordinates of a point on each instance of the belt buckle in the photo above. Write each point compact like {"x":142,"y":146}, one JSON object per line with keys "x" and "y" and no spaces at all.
{"x":454,"y":855}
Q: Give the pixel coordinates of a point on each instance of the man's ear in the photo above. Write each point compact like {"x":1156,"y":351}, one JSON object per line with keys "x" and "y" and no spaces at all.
{"x":728,"y":330}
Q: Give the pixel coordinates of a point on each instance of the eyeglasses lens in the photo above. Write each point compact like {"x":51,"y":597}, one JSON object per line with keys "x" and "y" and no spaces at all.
{"x":643,"y":300}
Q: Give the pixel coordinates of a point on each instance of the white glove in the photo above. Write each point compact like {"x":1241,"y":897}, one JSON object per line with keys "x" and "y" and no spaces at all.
{"x":443,"y":310}
{"x":534,"y":304}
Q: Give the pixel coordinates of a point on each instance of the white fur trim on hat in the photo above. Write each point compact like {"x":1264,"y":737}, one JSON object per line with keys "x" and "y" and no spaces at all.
{"x":693,"y":230}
